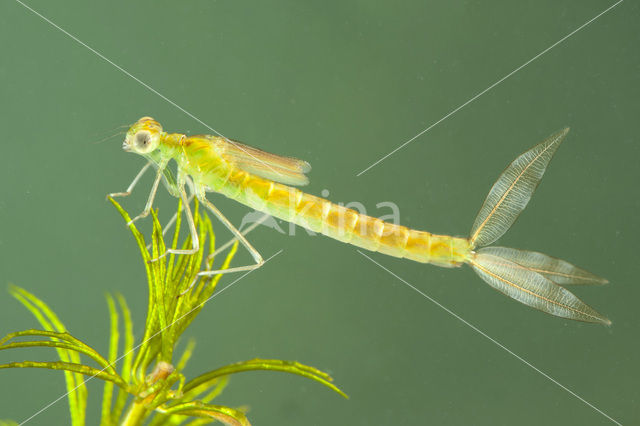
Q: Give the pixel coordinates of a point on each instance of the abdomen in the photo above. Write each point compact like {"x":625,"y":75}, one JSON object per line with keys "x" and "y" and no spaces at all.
{"x":343,"y":224}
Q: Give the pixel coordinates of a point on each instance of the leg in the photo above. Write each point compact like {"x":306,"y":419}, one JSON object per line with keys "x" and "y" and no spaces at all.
{"x":238,"y":235}
{"x":173,"y":219}
{"x":195,"y":242}
{"x":152,"y":194}
{"x":228,"y":244}
{"x":177,"y":191}
{"x":132,"y":185}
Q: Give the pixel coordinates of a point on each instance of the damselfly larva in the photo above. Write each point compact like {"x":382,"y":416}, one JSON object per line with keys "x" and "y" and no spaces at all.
{"x":265,"y":181}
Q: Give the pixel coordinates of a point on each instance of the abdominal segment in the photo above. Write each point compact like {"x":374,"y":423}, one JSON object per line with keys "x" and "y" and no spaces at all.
{"x":349,"y":226}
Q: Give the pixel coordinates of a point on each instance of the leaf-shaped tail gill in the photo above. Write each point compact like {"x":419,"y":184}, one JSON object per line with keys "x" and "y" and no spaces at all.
{"x":531,"y":288}
{"x":512,"y":191}
{"x":557,"y":270}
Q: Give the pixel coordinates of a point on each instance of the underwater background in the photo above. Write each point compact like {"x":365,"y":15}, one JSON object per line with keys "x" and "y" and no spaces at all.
{"x":339,"y":84}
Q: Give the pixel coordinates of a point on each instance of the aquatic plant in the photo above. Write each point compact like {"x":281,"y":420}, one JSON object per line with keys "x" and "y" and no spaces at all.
{"x":150,"y":386}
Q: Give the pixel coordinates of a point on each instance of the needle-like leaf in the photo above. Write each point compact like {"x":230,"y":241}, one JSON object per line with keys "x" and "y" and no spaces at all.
{"x":69,"y":366}
{"x":107,"y":394}
{"x":170,"y":311}
{"x":266,"y":364}
{"x":61,"y":345}
{"x":226,"y":415}
{"x":77,"y":391}
{"x":127,"y":360}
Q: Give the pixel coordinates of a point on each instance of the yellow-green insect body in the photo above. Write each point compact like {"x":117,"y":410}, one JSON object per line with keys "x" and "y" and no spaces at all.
{"x":266,"y":182}
{"x":202,"y":158}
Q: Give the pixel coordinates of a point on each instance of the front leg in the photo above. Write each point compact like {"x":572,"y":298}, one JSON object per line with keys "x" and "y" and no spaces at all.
{"x":152,"y":195}
{"x":173,"y":190}
{"x":195,"y":241}
{"x":132,"y":185}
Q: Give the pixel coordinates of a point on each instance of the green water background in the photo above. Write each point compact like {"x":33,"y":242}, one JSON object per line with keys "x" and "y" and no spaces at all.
{"x":340,"y":84}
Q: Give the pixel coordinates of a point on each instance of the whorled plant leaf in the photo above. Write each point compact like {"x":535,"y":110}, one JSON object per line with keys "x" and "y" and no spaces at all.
{"x":76,"y":389}
{"x":170,"y":310}
{"x":214,"y":391}
{"x":227,"y":415}
{"x":71,"y":367}
{"x":207,"y":391}
{"x":58,"y":340}
{"x":186,"y":355}
{"x":114,"y":336}
{"x":292,"y":367}
{"x":127,"y":359}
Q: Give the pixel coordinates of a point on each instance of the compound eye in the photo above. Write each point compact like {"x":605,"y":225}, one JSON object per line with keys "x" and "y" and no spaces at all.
{"x":142,"y":140}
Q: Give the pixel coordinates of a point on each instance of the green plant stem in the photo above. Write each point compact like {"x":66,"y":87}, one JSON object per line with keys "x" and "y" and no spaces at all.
{"x":136,"y":414}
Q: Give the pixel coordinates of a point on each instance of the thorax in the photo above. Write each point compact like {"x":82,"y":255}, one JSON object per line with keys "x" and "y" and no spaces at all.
{"x":198,"y":157}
